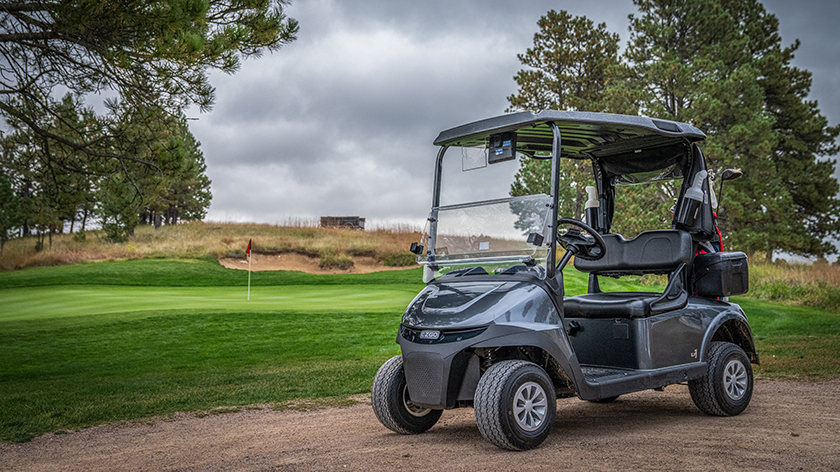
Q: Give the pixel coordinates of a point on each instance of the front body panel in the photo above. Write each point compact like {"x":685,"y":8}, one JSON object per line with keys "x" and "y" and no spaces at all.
{"x":471,"y":314}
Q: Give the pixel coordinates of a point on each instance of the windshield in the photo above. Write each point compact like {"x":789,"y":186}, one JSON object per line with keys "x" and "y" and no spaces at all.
{"x":474,"y":230}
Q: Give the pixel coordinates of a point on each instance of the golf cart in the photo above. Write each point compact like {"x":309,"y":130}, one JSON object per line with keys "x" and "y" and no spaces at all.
{"x":493,"y":329}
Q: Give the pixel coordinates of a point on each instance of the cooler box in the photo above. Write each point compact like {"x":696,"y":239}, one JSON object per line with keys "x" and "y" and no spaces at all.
{"x":721,"y":274}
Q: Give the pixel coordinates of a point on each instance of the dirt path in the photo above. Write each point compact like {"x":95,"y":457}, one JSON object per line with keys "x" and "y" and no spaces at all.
{"x":788,"y":426}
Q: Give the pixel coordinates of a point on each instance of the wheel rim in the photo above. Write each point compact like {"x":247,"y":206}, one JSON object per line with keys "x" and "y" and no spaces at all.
{"x":735,"y":379}
{"x":530,"y":406}
{"x":410,"y":407}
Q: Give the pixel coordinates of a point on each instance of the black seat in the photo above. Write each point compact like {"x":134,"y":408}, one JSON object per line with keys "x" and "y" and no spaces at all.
{"x":610,"y":305}
{"x":652,"y":252}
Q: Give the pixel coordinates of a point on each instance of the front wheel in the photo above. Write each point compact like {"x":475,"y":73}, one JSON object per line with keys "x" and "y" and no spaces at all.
{"x":515,"y":405}
{"x":727,"y":387}
{"x":392,"y":403}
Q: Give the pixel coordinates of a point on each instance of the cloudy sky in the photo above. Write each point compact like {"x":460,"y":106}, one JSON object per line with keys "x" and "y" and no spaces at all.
{"x":341,"y":122}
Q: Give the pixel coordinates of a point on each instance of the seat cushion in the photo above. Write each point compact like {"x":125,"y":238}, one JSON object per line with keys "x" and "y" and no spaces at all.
{"x":651,"y":252}
{"x":610,"y":305}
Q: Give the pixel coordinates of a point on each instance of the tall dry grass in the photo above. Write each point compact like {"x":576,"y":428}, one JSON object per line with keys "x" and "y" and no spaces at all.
{"x":213,"y":240}
{"x":816,"y":285}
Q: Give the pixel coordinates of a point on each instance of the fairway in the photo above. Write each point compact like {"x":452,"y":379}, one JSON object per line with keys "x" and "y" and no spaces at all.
{"x":107,"y":342}
{"x":70,"y":301}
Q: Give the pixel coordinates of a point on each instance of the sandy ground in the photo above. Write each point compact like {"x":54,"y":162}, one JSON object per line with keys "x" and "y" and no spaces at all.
{"x":788,"y":426}
{"x":362,"y":265}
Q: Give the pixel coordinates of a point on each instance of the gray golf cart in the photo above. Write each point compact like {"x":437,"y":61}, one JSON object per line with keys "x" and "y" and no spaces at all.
{"x":493,"y":329}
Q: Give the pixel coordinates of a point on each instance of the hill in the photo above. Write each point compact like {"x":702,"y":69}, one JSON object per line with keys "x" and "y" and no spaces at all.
{"x":315,"y":249}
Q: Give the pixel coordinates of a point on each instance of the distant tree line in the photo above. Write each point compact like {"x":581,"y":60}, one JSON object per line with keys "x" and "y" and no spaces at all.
{"x":137,"y":163}
{"x":57,"y":187}
{"x":720,"y":65}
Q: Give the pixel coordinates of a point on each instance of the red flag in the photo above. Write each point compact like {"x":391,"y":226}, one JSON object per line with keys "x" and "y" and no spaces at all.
{"x":248,"y":251}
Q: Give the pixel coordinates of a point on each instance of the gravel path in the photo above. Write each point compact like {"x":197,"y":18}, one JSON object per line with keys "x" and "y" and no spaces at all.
{"x":788,"y":426}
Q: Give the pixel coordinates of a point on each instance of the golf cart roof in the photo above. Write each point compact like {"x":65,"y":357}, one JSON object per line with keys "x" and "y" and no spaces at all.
{"x":584,"y":135}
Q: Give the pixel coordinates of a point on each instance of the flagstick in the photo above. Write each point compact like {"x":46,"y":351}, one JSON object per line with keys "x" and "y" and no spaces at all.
{"x":249,"y":274}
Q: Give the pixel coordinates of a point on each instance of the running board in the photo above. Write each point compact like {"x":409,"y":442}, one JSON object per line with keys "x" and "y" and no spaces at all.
{"x":605,"y":382}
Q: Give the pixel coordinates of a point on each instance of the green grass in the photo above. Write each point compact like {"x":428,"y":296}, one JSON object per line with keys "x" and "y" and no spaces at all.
{"x":187,"y":273}
{"x":73,"y":301}
{"x":115,"y":341}
{"x":794,"y":342}
{"x":109,"y":370}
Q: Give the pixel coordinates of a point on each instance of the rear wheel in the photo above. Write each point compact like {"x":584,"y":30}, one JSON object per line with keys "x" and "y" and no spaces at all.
{"x":392,"y":403}
{"x":515,"y":405}
{"x":727,"y":387}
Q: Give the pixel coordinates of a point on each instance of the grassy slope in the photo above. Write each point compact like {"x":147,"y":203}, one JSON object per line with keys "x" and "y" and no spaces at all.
{"x":193,"y":240}
{"x":105,"y":342}
{"x":186,"y":273}
{"x":75,"y":351}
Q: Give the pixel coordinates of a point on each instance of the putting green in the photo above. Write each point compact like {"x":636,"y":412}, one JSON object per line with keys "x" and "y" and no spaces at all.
{"x":67,"y":301}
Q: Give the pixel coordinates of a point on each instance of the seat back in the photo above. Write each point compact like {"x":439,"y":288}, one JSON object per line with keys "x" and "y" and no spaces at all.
{"x":651,"y":252}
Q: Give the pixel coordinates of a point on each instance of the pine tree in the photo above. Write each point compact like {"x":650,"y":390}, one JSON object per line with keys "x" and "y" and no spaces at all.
{"x":153,"y":52}
{"x":568,"y":68}
{"x":10,"y":215}
{"x":721,"y":66}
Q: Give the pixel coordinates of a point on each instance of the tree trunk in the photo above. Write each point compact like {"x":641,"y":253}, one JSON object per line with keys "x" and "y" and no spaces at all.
{"x":158,"y":221}
{"x":51,"y":232}
{"x":72,"y":222}
{"x":84,"y":220}
{"x":2,"y":243}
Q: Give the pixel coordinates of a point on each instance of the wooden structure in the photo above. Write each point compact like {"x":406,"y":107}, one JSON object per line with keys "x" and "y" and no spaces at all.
{"x":344,"y":222}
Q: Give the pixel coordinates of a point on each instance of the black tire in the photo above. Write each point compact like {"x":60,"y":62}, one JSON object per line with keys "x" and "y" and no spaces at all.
{"x":392,"y":404}
{"x":515,"y":405}
{"x":727,"y":387}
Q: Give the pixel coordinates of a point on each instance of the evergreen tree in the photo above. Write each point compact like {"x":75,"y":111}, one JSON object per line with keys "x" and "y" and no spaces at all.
{"x":10,"y":215}
{"x":174,"y":187}
{"x":59,"y":182}
{"x":568,"y":69}
{"x":721,"y":66}
{"x":568,"y":66}
{"x":153,"y":52}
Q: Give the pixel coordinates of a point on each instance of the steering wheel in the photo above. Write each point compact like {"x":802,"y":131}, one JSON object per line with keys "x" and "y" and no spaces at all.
{"x":589,"y":247}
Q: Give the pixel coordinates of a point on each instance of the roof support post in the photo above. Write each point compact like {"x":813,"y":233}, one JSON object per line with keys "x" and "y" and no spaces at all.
{"x":435,"y":203}
{"x":438,"y":173}
{"x":555,"y":193}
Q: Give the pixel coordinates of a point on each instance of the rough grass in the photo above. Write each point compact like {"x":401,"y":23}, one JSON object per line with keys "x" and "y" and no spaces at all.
{"x":794,"y":342}
{"x":193,"y":240}
{"x":815,"y":285}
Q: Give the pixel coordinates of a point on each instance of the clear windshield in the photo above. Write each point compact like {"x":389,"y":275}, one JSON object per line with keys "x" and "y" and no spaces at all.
{"x":477,"y":231}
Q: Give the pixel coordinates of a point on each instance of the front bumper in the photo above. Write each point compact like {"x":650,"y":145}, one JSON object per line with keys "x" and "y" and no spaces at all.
{"x":442,"y":373}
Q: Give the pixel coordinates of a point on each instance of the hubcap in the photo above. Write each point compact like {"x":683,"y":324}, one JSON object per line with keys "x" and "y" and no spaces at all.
{"x":530,"y":406}
{"x":735,"y":379}
{"x":413,"y":409}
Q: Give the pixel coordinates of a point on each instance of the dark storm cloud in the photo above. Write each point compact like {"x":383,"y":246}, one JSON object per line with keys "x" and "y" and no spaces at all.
{"x":342,"y":120}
